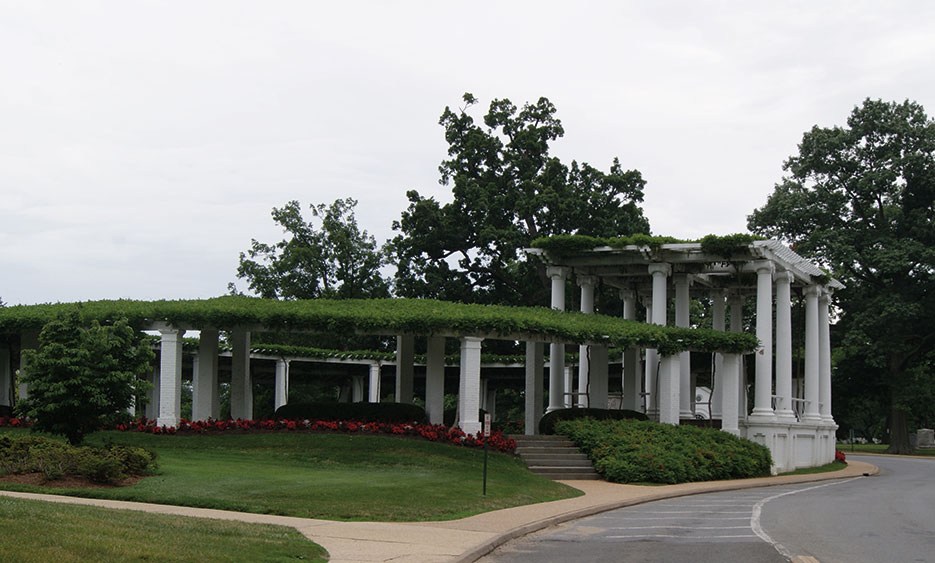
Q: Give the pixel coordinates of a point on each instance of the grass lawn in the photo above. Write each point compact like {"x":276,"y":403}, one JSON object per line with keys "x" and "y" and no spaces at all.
{"x":34,"y":531}
{"x":329,"y":476}
{"x":826,"y":468}
{"x":878,"y":449}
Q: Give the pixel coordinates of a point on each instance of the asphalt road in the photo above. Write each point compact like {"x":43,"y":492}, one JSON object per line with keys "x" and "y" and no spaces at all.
{"x":890,"y":517}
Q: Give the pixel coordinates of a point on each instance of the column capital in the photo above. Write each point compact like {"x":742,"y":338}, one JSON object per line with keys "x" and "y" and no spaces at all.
{"x":718,"y":293}
{"x":825,"y":296}
{"x":557,"y":272}
{"x":761,"y":266}
{"x":813,"y":290}
{"x":586,"y":280}
{"x":682,"y":278}
{"x":472,"y":339}
{"x":784,"y":276}
{"x":627,"y":294}
{"x":170,"y":331}
{"x":660,"y":268}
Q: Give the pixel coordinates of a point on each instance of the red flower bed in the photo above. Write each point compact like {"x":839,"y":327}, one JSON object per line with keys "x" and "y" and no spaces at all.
{"x":431,"y":432}
{"x":839,"y":456}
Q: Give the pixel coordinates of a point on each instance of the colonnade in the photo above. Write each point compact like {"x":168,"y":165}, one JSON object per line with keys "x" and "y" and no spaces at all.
{"x":665,"y":390}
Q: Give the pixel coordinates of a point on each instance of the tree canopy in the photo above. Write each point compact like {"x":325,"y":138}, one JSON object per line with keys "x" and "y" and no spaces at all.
{"x":861,"y":201}
{"x":79,"y":377}
{"x":507,"y":191}
{"x":336,"y":260}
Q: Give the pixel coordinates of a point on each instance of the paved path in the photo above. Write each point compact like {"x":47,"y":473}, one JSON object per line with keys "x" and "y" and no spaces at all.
{"x":463,"y":540}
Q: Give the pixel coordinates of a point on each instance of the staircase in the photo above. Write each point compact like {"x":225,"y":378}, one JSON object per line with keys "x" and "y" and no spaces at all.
{"x":554,"y":457}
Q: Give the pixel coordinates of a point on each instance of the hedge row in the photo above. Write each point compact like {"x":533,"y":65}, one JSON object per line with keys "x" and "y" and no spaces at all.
{"x":362,"y":412}
{"x":389,"y":317}
{"x":55,"y":459}
{"x":547,"y":423}
{"x":633,"y":451}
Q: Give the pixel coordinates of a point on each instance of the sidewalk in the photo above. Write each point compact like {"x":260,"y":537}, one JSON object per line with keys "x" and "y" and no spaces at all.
{"x":467,"y":539}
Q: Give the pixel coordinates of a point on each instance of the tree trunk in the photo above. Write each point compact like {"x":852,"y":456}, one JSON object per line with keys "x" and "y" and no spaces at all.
{"x":899,"y":432}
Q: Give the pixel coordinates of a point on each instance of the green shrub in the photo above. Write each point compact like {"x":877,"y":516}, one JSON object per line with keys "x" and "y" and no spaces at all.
{"x":547,"y":423}
{"x":635,"y":451}
{"x":363,"y":412}
{"x":56,"y":459}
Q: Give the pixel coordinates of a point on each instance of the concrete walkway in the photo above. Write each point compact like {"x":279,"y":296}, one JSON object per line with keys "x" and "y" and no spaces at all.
{"x":462,"y":540}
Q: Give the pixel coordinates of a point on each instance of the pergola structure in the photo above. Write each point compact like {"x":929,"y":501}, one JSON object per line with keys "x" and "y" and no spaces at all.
{"x":794,"y":421}
{"x":790,"y":416}
{"x":405,"y":319}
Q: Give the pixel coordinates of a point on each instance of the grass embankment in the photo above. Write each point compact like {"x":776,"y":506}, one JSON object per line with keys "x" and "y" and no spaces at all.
{"x":41,"y":531}
{"x":879,"y":449}
{"x":329,"y":476}
{"x":826,"y":468}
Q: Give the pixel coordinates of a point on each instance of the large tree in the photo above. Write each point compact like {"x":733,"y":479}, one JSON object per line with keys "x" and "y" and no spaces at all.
{"x":861,"y":201}
{"x":507,"y":191}
{"x":82,"y":377}
{"x":336,"y":260}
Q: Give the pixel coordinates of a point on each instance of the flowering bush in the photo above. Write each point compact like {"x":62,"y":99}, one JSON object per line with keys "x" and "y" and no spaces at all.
{"x":839,"y":456}
{"x":431,"y":432}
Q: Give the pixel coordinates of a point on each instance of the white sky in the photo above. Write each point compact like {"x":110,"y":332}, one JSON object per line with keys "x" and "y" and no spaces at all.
{"x":143,"y":144}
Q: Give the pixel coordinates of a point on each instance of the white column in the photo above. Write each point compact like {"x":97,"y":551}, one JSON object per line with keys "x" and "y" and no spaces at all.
{"x":6,"y":376}
{"x":650,"y":365}
{"x":281,"y":385}
{"x":557,"y":350}
{"x":824,"y":357}
{"x":205,"y":377}
{"x":587,"y":284}
{"x":373,"y":389}
{"x":152,"y":396}
{"x":490,"y":399}
{"x":170,"y":377}
{"x":435,"y":379}
{"x":631,"y":384}
{"x":569,"y":385}
{"x":762,"y":401}
{"x":28,"y":341}
{"x":812,"y":361}
{"x":597,"y":395}
{"x":469,"y":398}
{"x":736,"y":325}
{"x":241,"y":381}
{"x":730,"y":393}
{"x":784,"y":345}
{"x":669,"y":383}
{"x":660,"y":273}
{"x":357,"y":388}
{"x":718,"y":314}
{"x":534,"y":352}
{"x":405,"y":350}
{"x":682,"y":306}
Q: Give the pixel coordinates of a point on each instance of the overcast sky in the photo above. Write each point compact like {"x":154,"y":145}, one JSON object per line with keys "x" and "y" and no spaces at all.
{"x":143,"y":144}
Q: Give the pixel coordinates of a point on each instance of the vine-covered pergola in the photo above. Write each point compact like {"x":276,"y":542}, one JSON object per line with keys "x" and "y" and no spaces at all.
{"x":791,"y":417}
{"x":405,"y":319}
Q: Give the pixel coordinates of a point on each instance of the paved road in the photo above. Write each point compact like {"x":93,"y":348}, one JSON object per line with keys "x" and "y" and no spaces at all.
{"x":890,"y":517}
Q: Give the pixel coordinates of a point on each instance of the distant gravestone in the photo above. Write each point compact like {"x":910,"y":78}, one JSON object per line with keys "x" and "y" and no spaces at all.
{"x":925,"y":438}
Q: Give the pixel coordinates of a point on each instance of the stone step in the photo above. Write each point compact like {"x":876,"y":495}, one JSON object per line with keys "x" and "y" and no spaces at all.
{"x":558,"y":462}
{"x":536,"y":450}
{"x":560,"y":475}
{"x":554,"y":457}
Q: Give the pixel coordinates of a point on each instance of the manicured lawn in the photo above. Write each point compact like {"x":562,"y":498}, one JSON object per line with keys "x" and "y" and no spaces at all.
{"x":34,"y":531}
{"x":878,"y":449}
{"x":329,"y":476}
{"x":826,"y":468}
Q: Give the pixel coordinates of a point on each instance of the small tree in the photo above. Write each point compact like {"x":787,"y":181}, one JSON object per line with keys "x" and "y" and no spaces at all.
{"x":79,"y":376}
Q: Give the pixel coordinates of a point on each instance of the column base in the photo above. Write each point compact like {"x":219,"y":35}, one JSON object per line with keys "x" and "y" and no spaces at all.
{"x":762,"y":415}
{"x":785,"y":415}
